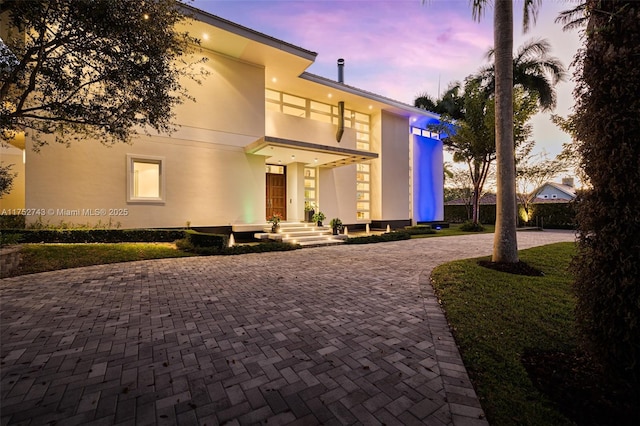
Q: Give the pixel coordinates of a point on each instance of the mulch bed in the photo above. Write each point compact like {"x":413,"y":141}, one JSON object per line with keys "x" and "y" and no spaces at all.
{"x":519,"y":268}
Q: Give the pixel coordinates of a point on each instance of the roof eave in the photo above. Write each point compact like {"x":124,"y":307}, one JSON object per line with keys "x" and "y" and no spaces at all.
{"x":248,"y":33}
{"x":394,"y":105}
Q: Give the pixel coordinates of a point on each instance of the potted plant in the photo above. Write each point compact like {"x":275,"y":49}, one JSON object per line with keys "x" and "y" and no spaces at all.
{"x":275,"y":222}
{"x":309,"y":211}
{"x":318,"y":218}
{"x":336,"y":225}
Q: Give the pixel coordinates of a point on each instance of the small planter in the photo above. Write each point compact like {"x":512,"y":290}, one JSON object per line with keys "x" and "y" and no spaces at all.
{"x":308,"y":215}
{"x":318,"y":218}
{"x":336,"y":225}
{"x":275,"y":222}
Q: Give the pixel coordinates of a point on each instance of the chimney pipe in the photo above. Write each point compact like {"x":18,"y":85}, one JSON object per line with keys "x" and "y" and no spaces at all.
{"x":340,"y":70}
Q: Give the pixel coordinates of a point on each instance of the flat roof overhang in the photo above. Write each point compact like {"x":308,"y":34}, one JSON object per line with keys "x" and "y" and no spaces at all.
{"x":286,"y":151}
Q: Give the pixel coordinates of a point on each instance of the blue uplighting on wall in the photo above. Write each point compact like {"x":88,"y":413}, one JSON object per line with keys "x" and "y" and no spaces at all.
{"x":428,"y":179}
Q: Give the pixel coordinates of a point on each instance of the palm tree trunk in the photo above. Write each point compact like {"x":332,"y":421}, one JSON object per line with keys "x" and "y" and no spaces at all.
{"x":505,"y":245}
{"x":476,"y":205}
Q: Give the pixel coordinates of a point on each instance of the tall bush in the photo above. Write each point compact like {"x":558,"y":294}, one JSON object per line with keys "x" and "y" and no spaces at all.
{"x":607,"y":267}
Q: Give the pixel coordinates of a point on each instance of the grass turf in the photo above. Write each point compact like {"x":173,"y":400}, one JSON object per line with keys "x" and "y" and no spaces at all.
{"x":496,"y":317}
{"x":51,"y":257}
{"x":454,"y":229}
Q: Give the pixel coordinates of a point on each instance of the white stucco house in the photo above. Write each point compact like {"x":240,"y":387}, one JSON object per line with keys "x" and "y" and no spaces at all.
{"x":264,"y":136}
{"x":552,"y":191}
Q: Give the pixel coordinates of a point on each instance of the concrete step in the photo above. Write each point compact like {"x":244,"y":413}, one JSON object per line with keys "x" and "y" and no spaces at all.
{"x":299,"y":230}
{"x":298,"y":239}
{"x":304,"y":234}
{"x":319,"y":243}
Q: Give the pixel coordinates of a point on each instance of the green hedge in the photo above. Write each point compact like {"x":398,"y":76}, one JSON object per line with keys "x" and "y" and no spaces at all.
{"x":419,"y":230}
{"x":461,"y":214}
{"x":203,"y":239}
{"x":546,"y":215}
{"x":186,"y":245}
{"x":96,"y":235}
{"x":12,"y":221}
{"x":392,"y":236}
{"x":553,"y":215}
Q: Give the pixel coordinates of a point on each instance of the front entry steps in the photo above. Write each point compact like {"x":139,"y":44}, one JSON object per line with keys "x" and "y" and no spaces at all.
{"x":304,"y":234}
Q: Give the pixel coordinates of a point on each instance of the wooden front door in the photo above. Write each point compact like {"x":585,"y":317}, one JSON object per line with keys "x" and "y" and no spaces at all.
{"x":277,"y":195}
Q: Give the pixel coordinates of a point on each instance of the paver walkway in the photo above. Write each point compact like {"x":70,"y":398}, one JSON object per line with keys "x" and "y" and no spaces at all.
{"x":333,"y":335}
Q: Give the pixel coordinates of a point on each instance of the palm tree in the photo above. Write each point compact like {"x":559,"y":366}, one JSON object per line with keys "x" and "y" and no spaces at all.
{"x":505,"y":245}
{"x":534,"y":70}
{"x":450,"y":104}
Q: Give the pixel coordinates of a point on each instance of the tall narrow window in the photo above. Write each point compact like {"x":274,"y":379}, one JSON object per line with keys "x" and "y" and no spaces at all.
{"x":363,"y":179}
{"x":310,"y":186}
{"x":145,"y":179}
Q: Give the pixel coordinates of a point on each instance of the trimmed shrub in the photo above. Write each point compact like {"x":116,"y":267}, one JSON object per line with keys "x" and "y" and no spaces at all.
{"x":553,"y":215}
{"x":97,"y":235}
{"x":8,"y":239}
{"x":185,"y":245}
{"x":12,"y":221}
{"x":471,"y":227}
{"x":392,"y":236}
{"x":202,"y":239}
{"x":419,"y":230}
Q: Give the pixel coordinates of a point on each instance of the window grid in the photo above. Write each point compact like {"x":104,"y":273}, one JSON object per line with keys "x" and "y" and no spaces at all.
{"x":310,"y":184}
{"x":319,"y":111}
{"x":363,"y":191}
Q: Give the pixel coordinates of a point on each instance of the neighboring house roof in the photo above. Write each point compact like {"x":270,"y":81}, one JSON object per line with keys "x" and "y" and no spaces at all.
{"x":566,"y":189}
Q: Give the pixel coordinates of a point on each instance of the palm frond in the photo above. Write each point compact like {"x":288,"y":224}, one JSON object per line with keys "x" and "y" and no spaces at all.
{"x":477,"y":8}
{"x":531,"y":8}
{"x":573,"y":18}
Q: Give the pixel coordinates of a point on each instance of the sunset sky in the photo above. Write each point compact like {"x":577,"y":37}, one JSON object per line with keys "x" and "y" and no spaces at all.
{"x":401,"y":49}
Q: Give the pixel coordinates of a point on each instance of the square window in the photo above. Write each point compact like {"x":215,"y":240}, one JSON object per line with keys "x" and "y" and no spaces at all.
{"x":145,"y":179}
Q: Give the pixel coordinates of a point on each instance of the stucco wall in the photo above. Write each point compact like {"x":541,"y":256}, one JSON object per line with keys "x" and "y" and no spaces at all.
{"x":337,"y":193}
{"x":205,"y":185}
{"x":395,"y":167}
{"x":390,"y":172}
{"x":306,"y":130}
{"x":295,"y":192}
{"x":210,"y":181}
{"x":14,"y":199}
{"x":229,"y":100}
{"x":428,"y":180}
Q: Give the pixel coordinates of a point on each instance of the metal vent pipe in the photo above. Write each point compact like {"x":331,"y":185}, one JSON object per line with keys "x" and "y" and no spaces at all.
{"x":340,"y":70}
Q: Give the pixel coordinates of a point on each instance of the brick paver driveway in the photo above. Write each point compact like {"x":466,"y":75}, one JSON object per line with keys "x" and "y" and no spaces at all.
{"x":335,"y":335}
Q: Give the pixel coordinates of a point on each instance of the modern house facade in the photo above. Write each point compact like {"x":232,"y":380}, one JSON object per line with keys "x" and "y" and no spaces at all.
{"x":264,"y":136}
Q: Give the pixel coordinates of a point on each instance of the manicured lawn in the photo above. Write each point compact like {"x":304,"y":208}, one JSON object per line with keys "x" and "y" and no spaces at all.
{"x":454,"y":229}
{"x":497,"y":317}
{"x":51,"y":257}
